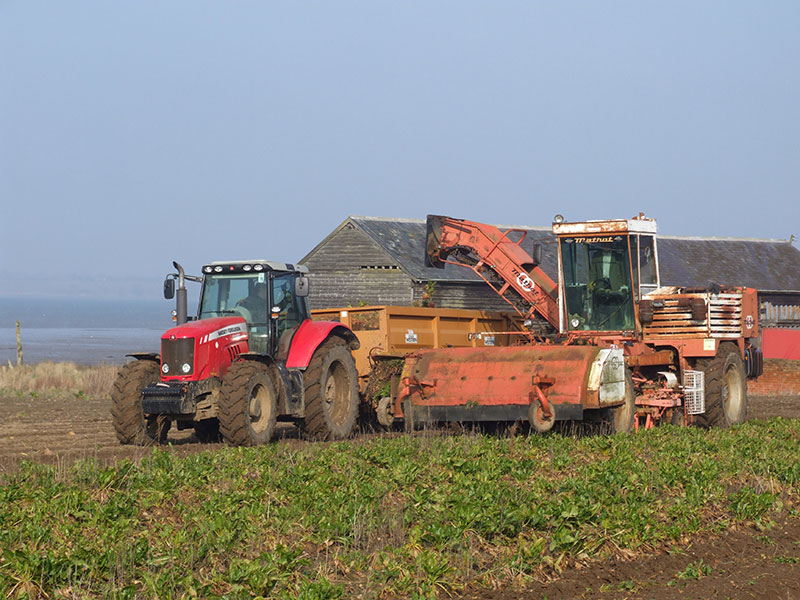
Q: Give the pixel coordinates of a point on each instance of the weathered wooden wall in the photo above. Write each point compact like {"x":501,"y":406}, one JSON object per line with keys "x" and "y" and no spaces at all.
{"x":478,"y":296}
{"x":350,"y":269}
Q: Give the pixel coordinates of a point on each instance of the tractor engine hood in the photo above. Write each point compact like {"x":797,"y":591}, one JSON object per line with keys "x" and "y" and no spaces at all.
{"x":201,"y":349}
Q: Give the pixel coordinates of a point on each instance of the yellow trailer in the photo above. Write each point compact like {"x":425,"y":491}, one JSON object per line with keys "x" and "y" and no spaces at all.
{"x":390,"y":332}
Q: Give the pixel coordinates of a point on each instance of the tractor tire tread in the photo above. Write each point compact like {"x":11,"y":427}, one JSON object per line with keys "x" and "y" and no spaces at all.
{"x":233,"y":402}
{"x":127,"y":417}
{"x":315,"y":425}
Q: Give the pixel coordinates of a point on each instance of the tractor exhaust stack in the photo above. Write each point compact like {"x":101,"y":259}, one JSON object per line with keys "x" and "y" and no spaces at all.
{"x":181,"y":303}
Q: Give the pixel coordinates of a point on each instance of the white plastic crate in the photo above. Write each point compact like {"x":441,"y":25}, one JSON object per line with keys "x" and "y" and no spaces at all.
{"x":694,"y":392}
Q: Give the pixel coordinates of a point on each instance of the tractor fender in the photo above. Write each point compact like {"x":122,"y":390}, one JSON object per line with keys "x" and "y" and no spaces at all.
{"x":310,"y":335}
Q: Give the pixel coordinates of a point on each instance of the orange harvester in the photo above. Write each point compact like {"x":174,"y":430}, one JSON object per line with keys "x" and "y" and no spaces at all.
{"x":605,"y":343}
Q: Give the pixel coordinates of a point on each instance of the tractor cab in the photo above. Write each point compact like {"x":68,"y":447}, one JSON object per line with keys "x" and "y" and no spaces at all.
{"x":270,"y":296}
{"x":605,"y":268}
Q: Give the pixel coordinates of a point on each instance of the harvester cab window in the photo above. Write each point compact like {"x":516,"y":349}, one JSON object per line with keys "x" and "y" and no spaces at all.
{"x":648,"y":273}
{"x":597,"y":283}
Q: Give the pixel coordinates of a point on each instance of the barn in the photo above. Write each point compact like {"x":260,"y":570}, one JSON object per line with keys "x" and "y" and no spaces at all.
{"x":373,"y":260}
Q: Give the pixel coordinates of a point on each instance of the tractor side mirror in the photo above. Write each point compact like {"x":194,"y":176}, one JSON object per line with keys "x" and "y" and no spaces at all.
{"x":537,"y":254}
{"x":169,"y":288}
{"x":301,"y":286}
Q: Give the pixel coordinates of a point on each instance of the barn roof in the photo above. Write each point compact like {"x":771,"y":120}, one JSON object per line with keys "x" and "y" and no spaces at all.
{"x":767,"y":265}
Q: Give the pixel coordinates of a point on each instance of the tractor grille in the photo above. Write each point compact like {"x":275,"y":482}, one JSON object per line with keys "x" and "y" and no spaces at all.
{"x":234,"y":351}
{"x":174,"y":354}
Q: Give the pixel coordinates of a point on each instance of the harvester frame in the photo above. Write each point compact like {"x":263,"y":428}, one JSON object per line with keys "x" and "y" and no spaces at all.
{"x":680,"y":346}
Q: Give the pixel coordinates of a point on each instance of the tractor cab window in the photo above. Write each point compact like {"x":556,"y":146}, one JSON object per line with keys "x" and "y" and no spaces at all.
{"x":290,"y":310}
{"x":241,"y":294}
{"x":597,"y":283}
{"x":245,"y":295}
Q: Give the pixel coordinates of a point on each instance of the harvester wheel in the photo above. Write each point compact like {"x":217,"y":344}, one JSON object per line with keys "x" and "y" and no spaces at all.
{"x":126,"y":404}
{"x":621,"y":417}
{"x":207,"y":431}
{"x":385,"y":412}
{"x":331,"y":392}
{"x":537,"y":418}
{"x":725,"y":388}
{"x":248,"y":404}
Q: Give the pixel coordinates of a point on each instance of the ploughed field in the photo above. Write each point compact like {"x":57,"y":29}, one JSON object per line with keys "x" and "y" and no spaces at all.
{"x":662,"y":514}
{"x":60,"y":431}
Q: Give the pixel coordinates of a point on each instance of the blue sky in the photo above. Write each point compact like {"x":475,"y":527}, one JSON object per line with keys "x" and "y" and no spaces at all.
{"x":137,"y":133}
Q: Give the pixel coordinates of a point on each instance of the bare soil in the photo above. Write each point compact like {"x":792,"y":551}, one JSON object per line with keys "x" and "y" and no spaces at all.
{"x":744,"y":563}
{"x":741,"y":563}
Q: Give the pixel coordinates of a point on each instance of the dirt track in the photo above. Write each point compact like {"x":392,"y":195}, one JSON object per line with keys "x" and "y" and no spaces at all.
{"x":744,"y":563}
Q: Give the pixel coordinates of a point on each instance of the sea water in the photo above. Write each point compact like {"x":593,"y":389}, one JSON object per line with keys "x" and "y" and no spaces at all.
{"x":85,"y":331}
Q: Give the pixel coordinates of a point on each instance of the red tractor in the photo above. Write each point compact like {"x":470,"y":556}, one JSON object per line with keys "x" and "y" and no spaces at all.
{"x":250,"y":358}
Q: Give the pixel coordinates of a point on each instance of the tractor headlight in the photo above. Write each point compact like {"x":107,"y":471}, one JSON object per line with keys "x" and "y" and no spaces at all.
{"x":165,"y":368}
{"x":186,"y":367}
{"x":575,"y":322}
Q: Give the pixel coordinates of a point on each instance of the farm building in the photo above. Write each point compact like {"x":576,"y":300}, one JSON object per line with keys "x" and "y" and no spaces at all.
{"x":372,"y":260}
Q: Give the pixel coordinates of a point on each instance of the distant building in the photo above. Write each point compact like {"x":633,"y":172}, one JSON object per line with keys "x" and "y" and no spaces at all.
{"x":372,"y":260}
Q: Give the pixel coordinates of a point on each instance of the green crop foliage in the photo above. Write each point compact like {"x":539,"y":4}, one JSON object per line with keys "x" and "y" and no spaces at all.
{"x":421,"y":517}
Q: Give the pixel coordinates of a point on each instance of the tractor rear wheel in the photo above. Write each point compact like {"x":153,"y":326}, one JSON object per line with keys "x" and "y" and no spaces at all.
{"x":248,"y":404}
{"x":725,"y":388}
{"x":127,"y":415}
{"x":331,"y":392}
{"x":621,"y":417}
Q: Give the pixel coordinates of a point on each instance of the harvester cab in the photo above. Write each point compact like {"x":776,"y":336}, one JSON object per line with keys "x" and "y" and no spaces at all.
{"x":605,"y":268}
{"x":251,"y":357}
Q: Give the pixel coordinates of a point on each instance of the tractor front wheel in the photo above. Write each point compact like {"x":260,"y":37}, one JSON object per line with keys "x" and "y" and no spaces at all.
{"x":127,"y":415}
{"x":248,"y":404}
{"x":331,"y":392}
{"x":725,"y":388}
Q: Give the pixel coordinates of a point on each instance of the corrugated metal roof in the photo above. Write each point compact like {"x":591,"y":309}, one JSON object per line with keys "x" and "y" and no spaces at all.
{"x":687,"y":261}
